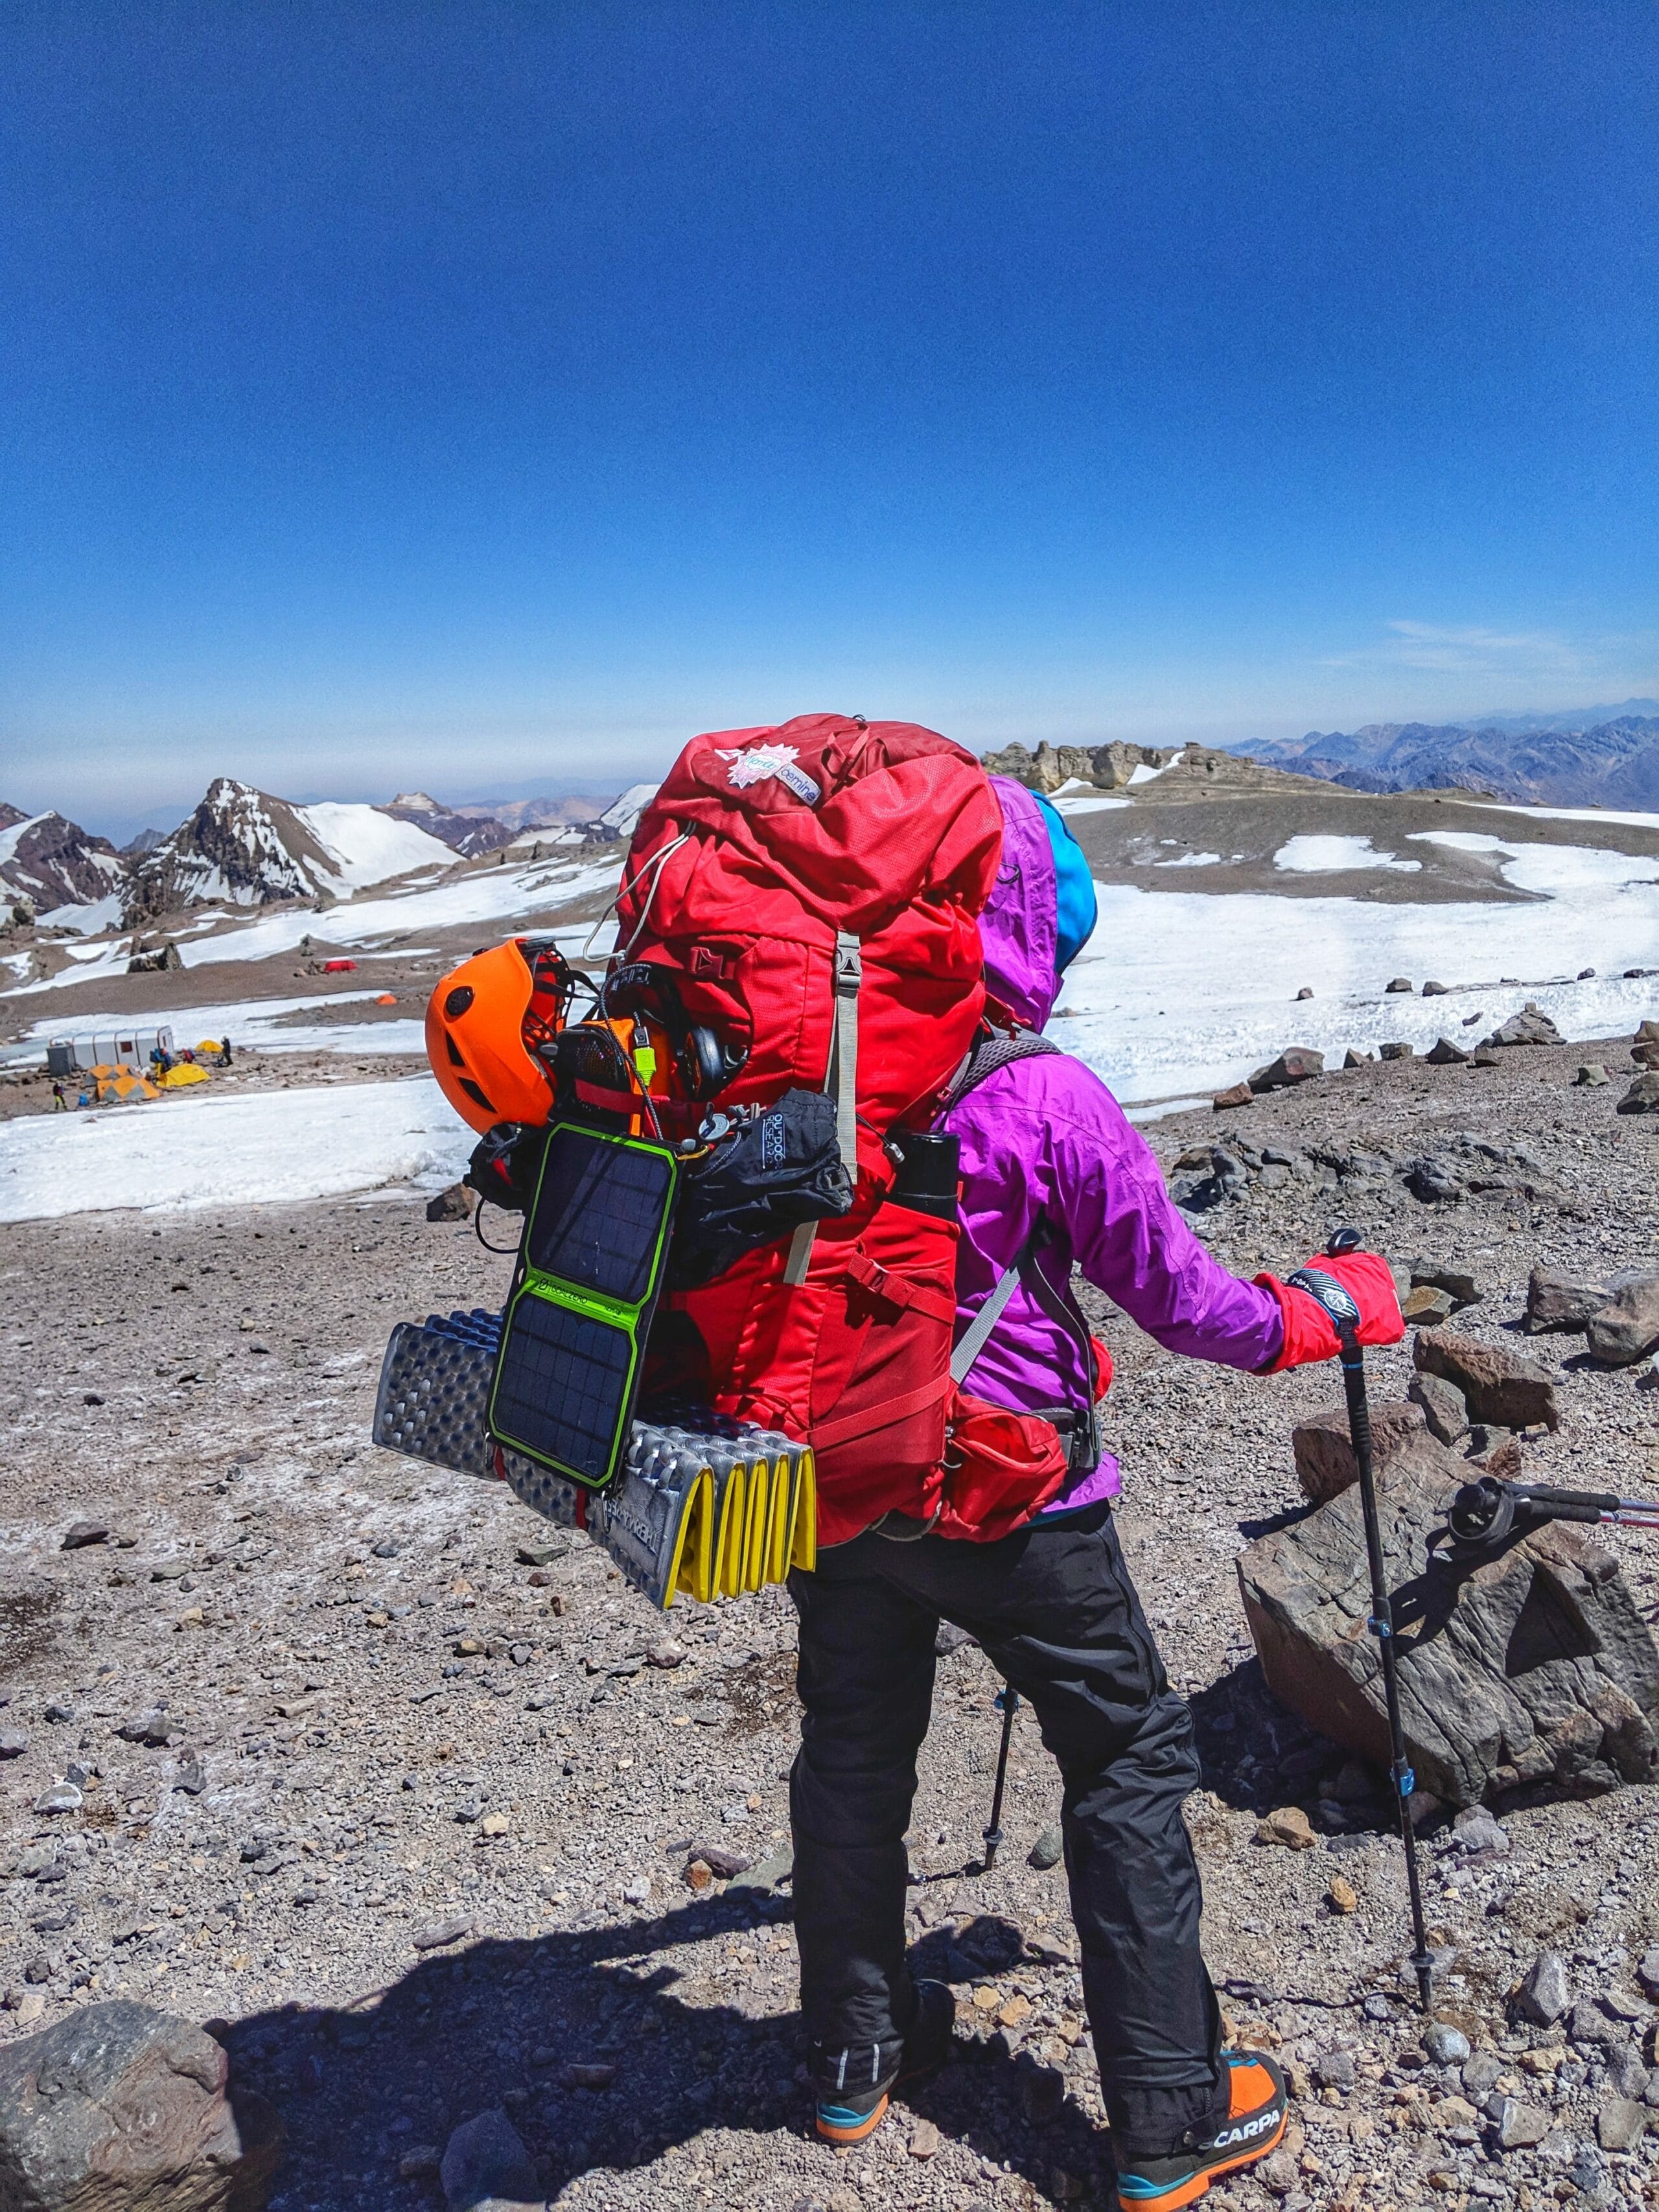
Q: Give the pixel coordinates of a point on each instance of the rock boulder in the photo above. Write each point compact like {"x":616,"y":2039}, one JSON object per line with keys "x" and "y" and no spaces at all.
{"x":118,"y":2107}
{"x":1297,"y":1063}
{"x":1533,"y":1666}
{"x":1499,"y":1386}
{"x":1530,"y":1026}
{"x":1643,"y":1096}
{"x":1626,"y":1328}
{"x":1325,"y":1464}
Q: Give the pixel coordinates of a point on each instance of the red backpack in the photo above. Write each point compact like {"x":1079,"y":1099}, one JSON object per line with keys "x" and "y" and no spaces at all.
{"x":814,"y":891}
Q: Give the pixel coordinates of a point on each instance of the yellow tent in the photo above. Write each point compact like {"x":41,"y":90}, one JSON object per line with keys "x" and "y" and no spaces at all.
{"x":123,"y":1088}
{"x":182,"y":1074}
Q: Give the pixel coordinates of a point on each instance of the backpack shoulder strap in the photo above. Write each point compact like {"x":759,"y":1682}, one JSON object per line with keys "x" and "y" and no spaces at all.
{"x":989,"y":1051}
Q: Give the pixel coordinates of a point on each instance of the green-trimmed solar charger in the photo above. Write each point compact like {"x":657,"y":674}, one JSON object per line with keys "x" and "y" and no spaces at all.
{"x":590,"y":1267}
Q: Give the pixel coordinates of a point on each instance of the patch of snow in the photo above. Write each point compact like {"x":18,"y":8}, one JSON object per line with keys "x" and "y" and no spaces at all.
{"x":1141,"y":774}
{"x":87,"y":921}
{"x":1157,"y":1112}
{"x":1577,"y":814}
{"x":195,"y":1150}
{"x":1331,"y":856}
{"x":1191,"y":860}
{"x":1099,"y":804}
{"x":622,"y":814}
{"x":1179,"y":990}
{"x":368,"y":846}
{"x":12,"y":838}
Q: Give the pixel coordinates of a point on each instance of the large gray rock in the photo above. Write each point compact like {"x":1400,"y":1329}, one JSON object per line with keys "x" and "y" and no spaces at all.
{"x":1325,"y":1464}
{"x":1297,"y":1063}
{"x":1626,"y":1328}
{"x":1565,"y":1302}
{"x":1499,"y":1386}
{"x":1530,"y":1026}
{"x":1535,"y":1666}
{"x":486,"y":2167}
{"x":1546,"y":1992}
{"x":1447,"y":1416}
{"x":1643,"y":1096}
{"x":119,"y":2108}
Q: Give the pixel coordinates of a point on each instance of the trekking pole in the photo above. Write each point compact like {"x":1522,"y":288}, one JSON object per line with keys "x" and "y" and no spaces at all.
{"x":1008,"y":1699}
{"x":1343,"y":1311}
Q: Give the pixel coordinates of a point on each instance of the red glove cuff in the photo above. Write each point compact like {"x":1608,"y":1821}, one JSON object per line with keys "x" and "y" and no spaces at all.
{"x":1309,"y":1332}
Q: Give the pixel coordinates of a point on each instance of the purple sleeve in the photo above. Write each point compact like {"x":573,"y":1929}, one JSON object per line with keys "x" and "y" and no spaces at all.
{"x":1131,"y":1241}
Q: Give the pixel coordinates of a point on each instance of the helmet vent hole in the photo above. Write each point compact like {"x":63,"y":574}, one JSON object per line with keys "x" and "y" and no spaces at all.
{"x":457,"y":1001}
{"x":475,"y":1095}
{"x":455,"y":1060}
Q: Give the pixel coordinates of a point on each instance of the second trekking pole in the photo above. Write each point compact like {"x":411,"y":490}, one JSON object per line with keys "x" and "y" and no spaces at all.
{"x":1345,"y":1315}
{"x":1009,"y":1701}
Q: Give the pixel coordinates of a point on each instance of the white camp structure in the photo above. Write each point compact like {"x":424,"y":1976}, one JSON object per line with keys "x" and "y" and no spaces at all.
{"x":106,"y":1048}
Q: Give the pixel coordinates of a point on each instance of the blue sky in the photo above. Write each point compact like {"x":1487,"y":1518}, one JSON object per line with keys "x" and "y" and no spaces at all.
{"x":488,"y":395}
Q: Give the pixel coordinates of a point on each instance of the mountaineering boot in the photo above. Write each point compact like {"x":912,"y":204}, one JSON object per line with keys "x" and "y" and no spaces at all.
{"x":1253,"y":2126}
{"x":848,"y":2109}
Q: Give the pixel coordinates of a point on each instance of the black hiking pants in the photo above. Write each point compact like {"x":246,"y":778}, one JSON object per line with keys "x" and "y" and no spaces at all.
{"x":1058,"y":1616}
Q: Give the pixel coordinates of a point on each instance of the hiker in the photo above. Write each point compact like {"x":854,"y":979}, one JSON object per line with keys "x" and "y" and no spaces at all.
{"x":1044,"y":1147}
{"x":59,"y":1103}
{"x":224,"y":1052}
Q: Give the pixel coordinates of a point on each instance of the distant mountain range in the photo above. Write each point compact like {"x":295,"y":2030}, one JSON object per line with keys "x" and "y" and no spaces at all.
{"x":244,"y":847}
{"x":1533,"y":760}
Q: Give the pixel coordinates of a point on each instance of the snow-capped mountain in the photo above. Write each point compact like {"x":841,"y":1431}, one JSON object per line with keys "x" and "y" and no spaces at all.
{"x":1608,"y":763}
{"x":619,"y":818}
{"x":52,"y":862}
{"x":243,"y":848}
{"x":466,"y":834}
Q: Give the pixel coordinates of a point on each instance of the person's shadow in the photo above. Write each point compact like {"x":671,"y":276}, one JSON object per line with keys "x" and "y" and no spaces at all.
{"x":519,"y":2022}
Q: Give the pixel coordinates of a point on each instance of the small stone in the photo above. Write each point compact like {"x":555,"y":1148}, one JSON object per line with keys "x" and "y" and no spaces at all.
{"x":62,"y":1797}
{"x":1444,"y":1410}
{"x":485,"y":2158}
{"x":1436,"y":990}
{"x":1352,"y":1059}
{"x":1478,"y":1829}
{"x":169,"y":1571}
{"x":1626,"y":1328}
{"x":420,"y":2162}
{"x":719,"y":1861}
{"x":1306,"y":992}
{"x":1519,"y":2126}
{"x":1547,"y":1991}
{"x":1288,"y":1825}
{"x":986,"y":1999}
{"x":190,"y":1777}
{"x":493,"y":1825}
{"x":1396,"y":1048}
{"x":1442,"y":1053}
{"x":1048,"y":1849}
{"x":1399,"y":984}
{"x":80,"y":1533}
{"x":924,"y":2140}
{"x":637,"y":1892}
{"x":542,"y":1554}
{"x":1445,"y":2044}
{"x":1342,"y":1894}
{"x":1425,"y":1305}
{"x":456,"y":1203}
{"x":13,"y":1743}
{"x":1621,"y":2123}
{"x":596,"y":2074}
{"x":1236,"y":1094}
{"x":1481,"y":2073}
{"x":668,"y":1653}
{"x":1647,"y":1973}
{"x":1335,"y":2070}
{"x":1590,"y":1075}
{"x":521,"y":1655}
{"x":698,"y":1874}
{"x":767,"y":1874}
{"x":1433,"y":1179}
{"x":441,"y":1934}
{"x":1278,"y":2173}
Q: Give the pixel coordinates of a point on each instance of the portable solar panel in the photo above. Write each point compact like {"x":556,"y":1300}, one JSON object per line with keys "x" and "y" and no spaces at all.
{"x":569,"y":1370}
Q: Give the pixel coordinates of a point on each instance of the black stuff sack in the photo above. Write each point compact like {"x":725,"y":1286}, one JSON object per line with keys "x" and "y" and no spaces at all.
{"x":766,"y":1169}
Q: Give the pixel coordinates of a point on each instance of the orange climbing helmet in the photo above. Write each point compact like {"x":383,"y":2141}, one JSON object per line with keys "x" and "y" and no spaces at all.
{"x":482,"y":1023}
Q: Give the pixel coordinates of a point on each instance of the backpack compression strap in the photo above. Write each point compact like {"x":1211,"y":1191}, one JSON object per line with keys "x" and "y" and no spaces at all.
{"x":844,"y":1082}
{"x":985,"y":1057}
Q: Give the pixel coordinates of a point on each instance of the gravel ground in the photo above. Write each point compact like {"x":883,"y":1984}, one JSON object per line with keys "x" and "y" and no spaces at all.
{"x":414,"y":1810}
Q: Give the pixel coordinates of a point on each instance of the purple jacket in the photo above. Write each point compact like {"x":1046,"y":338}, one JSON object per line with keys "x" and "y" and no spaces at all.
{"x":1044,"y":1138}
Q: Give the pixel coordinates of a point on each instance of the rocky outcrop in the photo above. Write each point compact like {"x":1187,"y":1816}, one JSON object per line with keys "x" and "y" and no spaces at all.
{"x":49,"y":861}
{"x":117,"y":2107}
{"x":1297,"y":1063}
{"x":1530,"y":1026}
{"x":1532,"y":1666}
{"x":468,"y":835}
{"x":1108,"y":767}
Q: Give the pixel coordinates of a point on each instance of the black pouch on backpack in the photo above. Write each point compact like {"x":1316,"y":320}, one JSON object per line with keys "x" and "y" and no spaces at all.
{"x":766,"y":1169}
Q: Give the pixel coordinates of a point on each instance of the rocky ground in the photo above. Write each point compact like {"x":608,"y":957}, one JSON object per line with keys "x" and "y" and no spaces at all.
{"x":367,"y":1763}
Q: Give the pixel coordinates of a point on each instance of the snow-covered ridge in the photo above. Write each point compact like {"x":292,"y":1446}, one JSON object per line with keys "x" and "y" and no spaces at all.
{"x":243,"y":848}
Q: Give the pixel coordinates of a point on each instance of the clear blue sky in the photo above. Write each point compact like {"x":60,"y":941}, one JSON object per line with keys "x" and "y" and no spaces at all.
{"x":486,"y":395}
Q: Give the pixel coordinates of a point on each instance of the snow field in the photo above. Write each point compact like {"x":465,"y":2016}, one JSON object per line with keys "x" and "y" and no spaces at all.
{"x":195,"y":1151}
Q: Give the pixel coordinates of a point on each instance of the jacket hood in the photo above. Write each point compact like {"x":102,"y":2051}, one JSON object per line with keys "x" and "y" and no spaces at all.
{"x":1041,"y":906}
